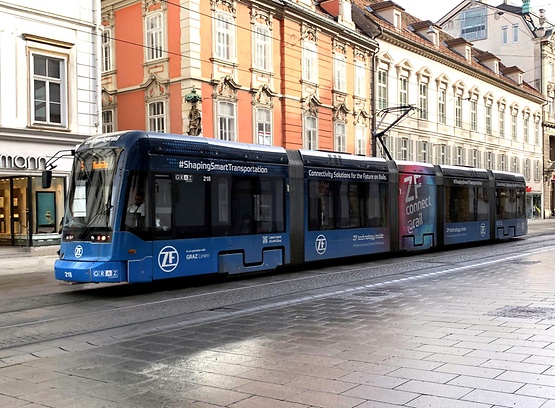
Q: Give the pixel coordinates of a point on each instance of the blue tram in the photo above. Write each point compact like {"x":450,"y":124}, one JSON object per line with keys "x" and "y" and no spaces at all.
{"x":147,"y":206}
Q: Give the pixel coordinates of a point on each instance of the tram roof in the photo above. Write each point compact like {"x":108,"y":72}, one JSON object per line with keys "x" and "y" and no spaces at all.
{"x":459,"y":171}
{"x":318,"y":158}
{"x":173,"y":144}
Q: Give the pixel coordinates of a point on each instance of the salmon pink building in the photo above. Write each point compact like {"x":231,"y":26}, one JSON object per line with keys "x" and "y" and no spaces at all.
{"x":286,"y":73}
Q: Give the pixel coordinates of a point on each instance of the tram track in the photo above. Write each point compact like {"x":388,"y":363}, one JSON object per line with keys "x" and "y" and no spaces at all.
{"x":57,"y":316}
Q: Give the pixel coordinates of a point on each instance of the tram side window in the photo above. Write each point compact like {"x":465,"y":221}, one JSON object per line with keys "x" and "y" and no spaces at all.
{"x":376,"y":205}
{"x":163,"y":205}
{"x":350,"y":204}
{"x":138,"y":203}
{"x":220,"y":205}
{"x":344,"y":204}
{"x":320,"y":210}
{"x":269,"y":206}
{"x":466,"y":203}
{"x":247,"y":205}
{"x":191,"y":207}
{"x":511,"y":203}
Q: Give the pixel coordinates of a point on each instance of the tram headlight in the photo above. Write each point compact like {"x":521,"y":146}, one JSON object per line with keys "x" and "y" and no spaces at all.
{"x":100,"y":238}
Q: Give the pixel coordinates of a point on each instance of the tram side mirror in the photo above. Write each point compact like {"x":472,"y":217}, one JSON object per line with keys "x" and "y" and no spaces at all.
{"x":46,"y":178}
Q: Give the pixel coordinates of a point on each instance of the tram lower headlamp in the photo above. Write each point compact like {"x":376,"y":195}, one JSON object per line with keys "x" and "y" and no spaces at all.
{"x":100,"y":238}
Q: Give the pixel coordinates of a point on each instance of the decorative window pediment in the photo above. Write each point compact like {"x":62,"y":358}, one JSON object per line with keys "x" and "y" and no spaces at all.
{"x":311,"y":104}
{"x":340,"y":112}
{"x":227,"y":87}
{"x":264,"y":95}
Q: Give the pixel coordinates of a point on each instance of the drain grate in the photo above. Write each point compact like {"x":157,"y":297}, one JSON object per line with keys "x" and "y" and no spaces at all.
{"x":521,"y":262}
{"x":369,"y":296}
{"x":524,"y":312}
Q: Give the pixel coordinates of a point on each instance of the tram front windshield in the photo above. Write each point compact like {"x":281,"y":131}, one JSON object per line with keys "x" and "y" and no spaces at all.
{"x":90,"y":200}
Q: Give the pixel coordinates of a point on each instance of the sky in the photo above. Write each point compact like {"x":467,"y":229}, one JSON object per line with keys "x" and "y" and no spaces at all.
{"x":435,"y":9}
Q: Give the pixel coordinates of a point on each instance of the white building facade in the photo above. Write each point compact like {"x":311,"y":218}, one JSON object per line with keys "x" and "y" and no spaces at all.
{"x":49,"y":101}
{"x":523,"y":36}
{"x":470,"y":109}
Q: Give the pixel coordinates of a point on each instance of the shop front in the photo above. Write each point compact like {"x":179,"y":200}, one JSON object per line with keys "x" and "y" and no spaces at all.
{"x":29,"y":214}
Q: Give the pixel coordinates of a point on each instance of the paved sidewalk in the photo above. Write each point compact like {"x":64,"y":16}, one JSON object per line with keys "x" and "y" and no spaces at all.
{"x":464,"y":337}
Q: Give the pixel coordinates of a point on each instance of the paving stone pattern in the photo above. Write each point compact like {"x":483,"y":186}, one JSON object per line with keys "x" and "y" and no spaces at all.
{"x":474,"y":338}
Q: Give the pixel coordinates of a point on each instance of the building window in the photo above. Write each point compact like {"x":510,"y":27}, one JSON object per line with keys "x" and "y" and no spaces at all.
{"x":403,"y":90}
{"x":382,"y":89}
{"x":310,"y":62}
{"x":360,"y":141}
{"x":423,"y":101}
{"x":501,"y":123}
{"x":473,"y":115}
{"x":473,"y":24}
{"x":502,"y":162}
{"x":458,"y":111}
{"x":226,"y":120}
{"x":513,"y":125}
{"x":459,"y":156}
{"x":442,"y":154}
{"x":423,"y":151}
{"x":225,"y":38}
{"x":515,"y":33}
{"x":340,"y":68}
{"x":514,"y":167}
{"x":404,"y":149}
{"x":527,"y":170}
{"x":49,"y":90}
{"x":537,"y":131}
{"x":490,"y":161}
{"x":106,"y":50}
{"x":537,"y":175}
{"x":526,"y":130}
{"x":310,"y":133}
{"x":504,"y":35}
{"x":262,"y":48}
{"x":156,"y":116}
{"x":488,"y":119}
{"x":107,"y":121}
{"x":340,"y":139}
{"x":360,"y":79}
{"x":475,"y":158}
{"x":264,"y":126}
{"x":154,"y":36}
{"x":442,"y":118}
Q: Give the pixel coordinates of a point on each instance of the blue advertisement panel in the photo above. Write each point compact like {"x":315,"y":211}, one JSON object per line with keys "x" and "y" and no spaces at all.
{"x":417,"y":209}
{"x":467,"y":210}
{"x":461,"y":232}
{"x":207,"y":166}
{"x":346,"y":213}
{"x":320,"y":245}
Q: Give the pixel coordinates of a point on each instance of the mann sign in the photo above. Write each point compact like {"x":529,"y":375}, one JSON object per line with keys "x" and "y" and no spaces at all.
{"x":22,"y":162}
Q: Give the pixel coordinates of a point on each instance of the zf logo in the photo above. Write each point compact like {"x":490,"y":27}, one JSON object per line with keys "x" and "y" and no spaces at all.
{"x":483,"y":229}
{"x":321,"y":244}
{"x":78,"y":251}
{"x":413,"y":184}
{"x":168,"y":258}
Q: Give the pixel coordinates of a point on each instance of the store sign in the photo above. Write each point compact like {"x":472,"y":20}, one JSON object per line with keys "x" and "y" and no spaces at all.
{"x":22,"y":162}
